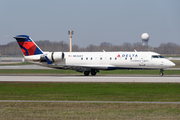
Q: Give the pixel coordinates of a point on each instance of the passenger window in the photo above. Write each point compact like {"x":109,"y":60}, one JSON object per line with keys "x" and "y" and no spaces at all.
{"x":81,"y":58}
{"x":131,"y":58}
{"x":115,"y":58}
{"x":87,"y":58}
{"x":125,"y":58}
{"x":100,"y":58}
{"x":91,"y":58}
{"x":110,"y":58}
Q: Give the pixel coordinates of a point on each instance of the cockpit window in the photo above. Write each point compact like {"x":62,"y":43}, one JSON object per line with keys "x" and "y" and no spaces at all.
{"x":160,"y":56}
{"x":157,"y":56}
{"x":154,"y":56}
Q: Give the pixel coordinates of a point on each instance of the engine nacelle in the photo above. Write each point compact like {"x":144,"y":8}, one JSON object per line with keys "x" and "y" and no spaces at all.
{"x":53,"y":57}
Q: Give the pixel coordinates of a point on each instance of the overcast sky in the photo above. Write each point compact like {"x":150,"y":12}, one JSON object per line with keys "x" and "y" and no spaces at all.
{"x":93,"y":21}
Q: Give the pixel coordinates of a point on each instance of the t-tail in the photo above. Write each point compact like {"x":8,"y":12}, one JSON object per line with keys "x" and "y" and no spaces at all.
{"x":28,"y":46}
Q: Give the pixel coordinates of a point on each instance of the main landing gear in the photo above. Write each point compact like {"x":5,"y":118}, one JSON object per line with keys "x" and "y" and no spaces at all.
{"x":161,"y":72}
{"x":93,"y":72}
{"x":86,"y":73}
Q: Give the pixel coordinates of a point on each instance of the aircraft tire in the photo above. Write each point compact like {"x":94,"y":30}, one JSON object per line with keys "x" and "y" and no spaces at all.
{"x":161,"y":74}
{"x":86,"y":73}
{"x":93,"y":72}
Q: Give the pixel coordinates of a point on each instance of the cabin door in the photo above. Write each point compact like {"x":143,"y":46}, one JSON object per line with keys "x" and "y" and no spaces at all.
{"x":142,"y":61}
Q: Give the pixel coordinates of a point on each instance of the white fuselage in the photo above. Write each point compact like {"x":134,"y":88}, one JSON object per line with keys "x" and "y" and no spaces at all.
{"x":109,"y":60}
{"x":91,"y":62}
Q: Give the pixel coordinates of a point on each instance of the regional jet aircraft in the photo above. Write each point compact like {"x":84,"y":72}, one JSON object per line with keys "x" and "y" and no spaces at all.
{"x":91,"y":62}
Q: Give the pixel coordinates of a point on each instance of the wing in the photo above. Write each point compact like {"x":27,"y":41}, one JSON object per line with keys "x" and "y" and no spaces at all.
{"x":79,"y":68}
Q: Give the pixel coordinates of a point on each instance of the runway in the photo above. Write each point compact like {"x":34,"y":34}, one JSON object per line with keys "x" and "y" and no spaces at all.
{"x":99,"y":79}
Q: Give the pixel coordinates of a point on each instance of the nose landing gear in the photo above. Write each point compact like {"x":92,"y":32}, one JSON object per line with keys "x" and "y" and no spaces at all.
{"x":161,"y":72}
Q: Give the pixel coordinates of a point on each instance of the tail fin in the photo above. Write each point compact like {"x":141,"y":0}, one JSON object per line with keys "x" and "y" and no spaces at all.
{"x":28,"y":46}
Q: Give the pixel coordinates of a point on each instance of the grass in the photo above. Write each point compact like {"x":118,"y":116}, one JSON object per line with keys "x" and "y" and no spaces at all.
{"x":37,"y":71}
{"x":90,"y":91}
{"x":88,"y":111}
{"x":102,"y":72}
{"x":14,"y":64}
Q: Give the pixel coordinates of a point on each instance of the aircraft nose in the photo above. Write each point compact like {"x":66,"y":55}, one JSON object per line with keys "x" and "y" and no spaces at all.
{"x":171,"y":64}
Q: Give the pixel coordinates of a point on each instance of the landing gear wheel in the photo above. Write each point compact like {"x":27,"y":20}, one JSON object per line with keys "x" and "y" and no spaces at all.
{"x":161,"y":72}
{"x":93,"y":72}
{"x":86,"y":73}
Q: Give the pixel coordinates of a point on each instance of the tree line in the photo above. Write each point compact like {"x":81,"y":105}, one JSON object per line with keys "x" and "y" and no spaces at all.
{"x":12,"y":48}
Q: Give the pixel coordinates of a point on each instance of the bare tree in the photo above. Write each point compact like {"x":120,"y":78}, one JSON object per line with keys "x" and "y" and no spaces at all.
{"x":12,"y":48}
{"x":168,"y":48}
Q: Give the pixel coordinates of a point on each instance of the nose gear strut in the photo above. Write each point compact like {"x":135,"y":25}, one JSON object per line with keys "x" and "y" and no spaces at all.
{"x":161,"y":72}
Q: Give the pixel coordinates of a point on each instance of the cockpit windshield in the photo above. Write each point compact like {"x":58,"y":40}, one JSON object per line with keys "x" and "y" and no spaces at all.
{"x":157,"y":56}
{"x":160,"y":56}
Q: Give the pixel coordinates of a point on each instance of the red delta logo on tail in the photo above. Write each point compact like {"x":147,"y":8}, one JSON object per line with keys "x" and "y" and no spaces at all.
{"x":27,"y":45}
{"x":28,"y":48}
